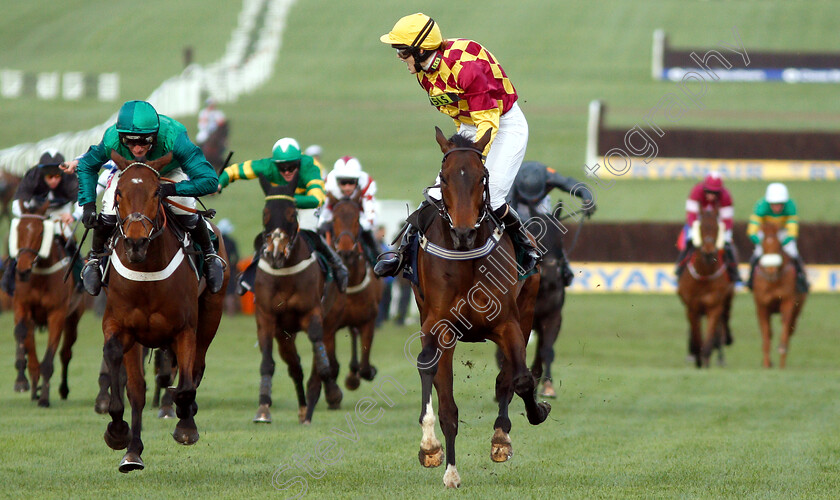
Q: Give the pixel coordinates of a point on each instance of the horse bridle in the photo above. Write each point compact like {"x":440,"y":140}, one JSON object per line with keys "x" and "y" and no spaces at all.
{"x":355,"y":237}
{"x":142,"y":218}
{"x":32,"y":250}
{"x":441,"y":206}
{"x":266,"y":233}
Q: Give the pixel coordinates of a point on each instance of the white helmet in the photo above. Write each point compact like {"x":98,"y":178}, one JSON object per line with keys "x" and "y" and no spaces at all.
{"x":313,"y":150}
{"x":776,"y":193}
{"x":347,"y":167}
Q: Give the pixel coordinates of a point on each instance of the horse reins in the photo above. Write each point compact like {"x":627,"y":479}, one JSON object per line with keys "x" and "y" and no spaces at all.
{"x":441,"y":206}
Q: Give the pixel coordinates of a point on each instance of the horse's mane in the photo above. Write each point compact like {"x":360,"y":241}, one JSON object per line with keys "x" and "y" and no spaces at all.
{"x":461,"y":141}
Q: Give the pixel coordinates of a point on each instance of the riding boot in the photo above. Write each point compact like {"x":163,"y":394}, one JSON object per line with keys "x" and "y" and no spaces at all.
{"x":731,"y":264}
{"x":681,"y":258}
{"x":753,"y":262}
{"x":92,"y":271}
{"x":369,"y":246}
{"x":802,"y":285}
{"x":214,"y":265}
{"x":513,"y":226}
{"x":8,"y":282}
{"x":391,"y":263}
{"x":566,"y":270}
{"x":338,"y":267}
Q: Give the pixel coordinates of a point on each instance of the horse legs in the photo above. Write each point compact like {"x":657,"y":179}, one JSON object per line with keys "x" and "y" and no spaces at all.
{"x":163,"y":380}
{"x":21,"y":340}
{"x":136,"y":390}
{"x":367,"y":370}
{"x":500,"y":446}
{"x":551,"y":330}
{"x":430,"y":454}
{"x":117,"y":434}
{"x":787,"y":311}
{"x":103,"y":398}
{"x":265,"y":339}
{"x":55,"y":326}
{"x":766,"y":333}
{"x":314,"y":326}
{"x":512,"y":343}
{"x":353,"y":380}
{"x":185,"y":406}
{"x":694,"y":338}
{"x":288,"y":353}
{"x":448,"y":414}
{"x":71,"y":333}
{"x":713,"y":319}
{"x":332,"y":392}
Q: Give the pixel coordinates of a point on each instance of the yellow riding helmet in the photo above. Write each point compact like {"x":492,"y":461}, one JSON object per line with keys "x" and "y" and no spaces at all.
{"x":417,"y":30}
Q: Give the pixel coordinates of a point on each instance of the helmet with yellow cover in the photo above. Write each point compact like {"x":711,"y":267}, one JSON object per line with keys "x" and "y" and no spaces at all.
{"x":417,"y":36}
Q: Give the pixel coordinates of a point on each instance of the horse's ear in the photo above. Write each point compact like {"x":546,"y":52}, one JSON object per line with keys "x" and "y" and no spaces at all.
{"x":482,"y":143}
{"x":119,"y":160}
{"x":442,"y":140}
{"x":161,"y":162}
{"x":357,"y":196}
{"x":331,"y":199}
{"x":43,"y":208}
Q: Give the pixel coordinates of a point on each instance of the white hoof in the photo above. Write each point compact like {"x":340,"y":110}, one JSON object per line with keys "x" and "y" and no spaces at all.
{"x":451,"y":479}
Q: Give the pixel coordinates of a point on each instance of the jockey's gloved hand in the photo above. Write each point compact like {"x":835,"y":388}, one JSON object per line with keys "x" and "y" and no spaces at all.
{"x":167,"y":189}
{"x":755,"y":239}
{"x":89,"y":215}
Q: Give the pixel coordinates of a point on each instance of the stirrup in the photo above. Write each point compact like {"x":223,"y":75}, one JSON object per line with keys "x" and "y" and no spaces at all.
{"x":92,"y":276}
{"x":388,"y":267}
{"x":214,"y":271}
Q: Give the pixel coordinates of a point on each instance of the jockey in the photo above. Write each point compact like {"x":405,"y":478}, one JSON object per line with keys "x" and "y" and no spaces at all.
{"x":210,"y":118}
{"x":141,"y":133}
{"x":40,"y":183}
{"x":709,"y":194}
{"x":529,"y":196}
{"x":778,"y":209}
{"x":285,"y":163}
{"x":345,"y":180}
{"x":465,"y":81}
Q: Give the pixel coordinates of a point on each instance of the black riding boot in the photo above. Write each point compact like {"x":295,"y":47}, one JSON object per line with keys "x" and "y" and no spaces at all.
{"x":338,"y":267}
{"x":8,"y":282}
{"x":731,"y":263}
{"x":753,"y":262}
{"x":391,"y":263}
{"x":802,"y":284}
{"x":681,"y":260}
{"x":566,"y":270}
{"x":369,"y":246}
{"x":513,"y":226}
{"x":92,"y":271}
{"x":214,"y":265}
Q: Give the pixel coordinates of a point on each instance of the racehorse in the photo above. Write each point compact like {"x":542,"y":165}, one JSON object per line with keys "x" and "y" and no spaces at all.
{"x":363,"y":294}
{"x":705,"y":289}
{"x":548,"y":311}
{"x":155,"y":299}
{"x":456,"y":300}
{"x":774,"y":291}
{"x":288,"y":298}
{"x":42,"y":298}
{"x":215,"y":146}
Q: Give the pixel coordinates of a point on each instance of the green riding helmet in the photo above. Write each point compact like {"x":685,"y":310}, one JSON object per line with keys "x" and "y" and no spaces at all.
{"x":285,"y":150}
{"x":137,"y":118}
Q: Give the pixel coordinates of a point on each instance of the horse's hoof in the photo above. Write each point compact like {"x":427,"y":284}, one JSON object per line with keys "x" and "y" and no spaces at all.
{"x":548,"y":390}
{"x":431,"y":458}
{"x":131,"y":461}
{"x":185,"y":436}
{"x":263,"y":415}
{"x":451,"y":479}
{"x":166,"y":412}
{"x":368,"y":373}
{"x":333,"y":395}
{"x":500,"y":447}
{"x":44,"y":403}
{"x":102,"y":403}
{"x":306,"y":422}
{"x":302,"y":414}
{"x":21,"y":385}
{"x":352,"y":381}
{"x":117,"y":435}
{"x":539,"y":416}
{"x":63,"y":391}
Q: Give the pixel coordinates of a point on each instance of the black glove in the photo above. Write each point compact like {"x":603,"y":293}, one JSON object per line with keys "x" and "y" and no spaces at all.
{"x":89,"y":215}
{"x":167,"y":189}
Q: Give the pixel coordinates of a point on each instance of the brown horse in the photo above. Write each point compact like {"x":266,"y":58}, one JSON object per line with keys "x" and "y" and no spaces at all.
{"x":215,"y":146}
{"x":706,"y":290}
{"x":364,"y":292}
{"x":470,"y":293}
{"x":155,"y":299}
{"x":42,"y":298}
{"x":774,"y":291}
{"x":288,"y":294}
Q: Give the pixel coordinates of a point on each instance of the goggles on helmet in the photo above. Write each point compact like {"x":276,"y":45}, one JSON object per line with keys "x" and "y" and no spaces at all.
{"x":137,"y":139}
{"x":287,"y":166}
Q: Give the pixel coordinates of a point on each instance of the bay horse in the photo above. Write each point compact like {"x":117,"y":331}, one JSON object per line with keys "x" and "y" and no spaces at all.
{"x":215,"y":146}
{"x":289,"y":296}
{"x":42,"y":298}
{"x":706,"y":290}
{"x":156,"y":299}
{"x":774,"y":291}
{"x":364,"y":292}
{"x":457,"y":303}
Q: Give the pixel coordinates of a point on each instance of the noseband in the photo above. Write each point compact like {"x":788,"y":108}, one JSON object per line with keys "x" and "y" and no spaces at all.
{"x":153,"y":231}
{"x":441,"y":206}
{"x":266,"y":233}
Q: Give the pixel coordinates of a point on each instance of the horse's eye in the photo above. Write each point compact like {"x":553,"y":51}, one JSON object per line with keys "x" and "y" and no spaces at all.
{"x":443,"y":181}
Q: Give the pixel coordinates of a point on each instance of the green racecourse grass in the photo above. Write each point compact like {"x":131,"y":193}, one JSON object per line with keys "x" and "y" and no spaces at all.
{"x":335,"y":84}
{"x":632,"y":419}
